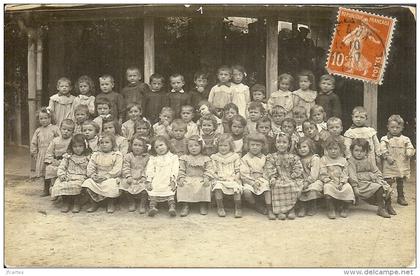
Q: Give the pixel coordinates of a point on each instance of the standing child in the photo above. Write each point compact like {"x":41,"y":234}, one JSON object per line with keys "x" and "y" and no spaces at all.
{"x":133,"y":174}
{"x":55,"y":151}
{"x":187,"y":115}
{"x":327,"y":98}
{"x":359,"y":129}
{"x":85,"y":89}
{"x":227,"y":180}
{"x":81,"y":114}
{"x":305,"y":96}
{"x":398,"y":151}
{"x":366,"y":179}
{"x":229,"y":111}
{"x":207,"y":126}
{"x":161,"y":174}
{"x":205,"y":107}
{"x":221,"y":93}
{"x":41,"y":139}
{"x":238,"y":125}
{"x":195,"y":174}
{"x":240,"y":91}
{"x":284,"y":172}
{"x":252,"y":170}
{"x":177,"y":97}
{"x":312,"y":185}
{"x":106,"y":83}
{"x":60,"y":104}
{"x":103,"y":172}
{"x":136,"y":90}
{"x":72,"y":173}
{"x":288,"y":126}
{"x":91,"y":130}
{"x":201,"y":90}
{"x":134,"y":112}
{"x":318,"y":115}
{"x":112,"y":126}
{"x":155,"y":98}
{"x":283,"y":97}
{"x":334,"y":174}
{"x":163,"y":127}
{"x":278,"y":114}
{"x":299,"y":115}
{"x":264,"y":127}
{"x":103,"y":107}
{"x":256,"y":111}
{"x":178,"y":141}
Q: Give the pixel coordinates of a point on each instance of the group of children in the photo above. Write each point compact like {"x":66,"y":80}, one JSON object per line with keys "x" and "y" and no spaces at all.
{"x":281,"y":155}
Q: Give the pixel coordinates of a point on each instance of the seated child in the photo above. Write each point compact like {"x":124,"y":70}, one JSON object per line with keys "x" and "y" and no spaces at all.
{"x":155,"y":98}
{"x":103,"y":172}
{"x":91,"y":130}
{"x":103,"y":107}
{"x":144,"y":129}
{"x":299,"y":115}
{"x":366,"y":179}
{"x":161,"y":174}
{"x":81,"y":114}
{"x":133,"y":174}
{"x":258,"y":95}
{"x":177,"y":97}
{"x":335,"y":128}
{"x":187,"y":115}
{"x":207,"y":126}
{"x":251,"y":170}
{"x":283,"y":97}
{"x":178,"y":141}
{"x":397,"y":151}
{"x":256,"y":112}
{"x":277,"y":114}
{"x":112,"y":126}
{"x":237,"y":126}
{"x":327,"y":98}
{"x":229,"y":111}
{"x":334,"y":175}
{"x":305,"y":96}
{"x":317,"y":114}
{"x":194,"y":177}
{"x":264,"y":127}
{"x":134,"y":113}
{"x":162,"y":127}
{"x":310,"y":131}
{"x":288,"y":126}
{"x":205,"y":108}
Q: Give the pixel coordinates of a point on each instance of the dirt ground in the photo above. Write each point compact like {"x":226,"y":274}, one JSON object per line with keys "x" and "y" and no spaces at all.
{"x":37,"y":234}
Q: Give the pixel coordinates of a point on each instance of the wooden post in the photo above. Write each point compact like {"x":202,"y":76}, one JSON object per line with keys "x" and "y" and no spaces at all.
{"x":271,"y":57}
{"x":32,"y":68}
{"x":39,"y":49}
{"x":149,"y":47}
{"x":370,"y":102}
{"x":56,"y":56}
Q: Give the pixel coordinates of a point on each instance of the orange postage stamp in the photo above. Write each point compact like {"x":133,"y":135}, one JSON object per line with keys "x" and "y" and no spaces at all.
{"x":360,"y":45}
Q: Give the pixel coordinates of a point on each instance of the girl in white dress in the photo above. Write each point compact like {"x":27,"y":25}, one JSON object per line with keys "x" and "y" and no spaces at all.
{"x":305,"y":96}
{"x":240,"y":92}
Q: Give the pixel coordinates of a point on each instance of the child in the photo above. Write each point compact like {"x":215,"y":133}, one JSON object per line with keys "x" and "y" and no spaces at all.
{"x":258,"y":95}
{"x":288,"y":126}
{"x":60,"y":104}
{"x":55,"y":151}
{"x":335,"y":128}
{"x":72,"y":173}
{"x":334,"y":175}
{"x":201,"y":90}
{"x":317,"y":114}
{"x":41,"y":139}
{"x":264,"y":127}
{"x":305,"y":96}
{"x":240,"y":91}
{"x":103,"y":172}
{"x":207,"y":126}
{"x":283,"y":97}
{"x":229,"y":111}
{"x":178,"y":142}
{"x":163,"y":127}
{"x":133,"y":176}
{"x":284,"y":172}
{"x":237,"y":125}
{"x":366,"y":179}
{"x":310,"y":131}
{"x":227,"y":181}
{"x":327,"y":98}
{"x":85,"y":89}
{"x":136,"y":90}
{"x":251,"y":171}
{"x":256,"y":112}
{"x":106,"y":83}
{"x":312,"y":185}
{"x":221,"y":93}
{"x":187,"y":115}
{"x":103,"y":107}
{"x":161,"y":174}
{"x":144,"y":129}
{"x":205,"y":107}
{"x":177,"y":97}
{"x":112,"y":126}
{"x":81,"y":114}
{"x":278,"y":114}
{"x":359,"y":129}
{"x":299,"y":115}
{"x":398,"y":151}
{"x":134,"y":112}
{"x":91,"y":130}
{"x":155,"y":98}
{"x":195,"y":174}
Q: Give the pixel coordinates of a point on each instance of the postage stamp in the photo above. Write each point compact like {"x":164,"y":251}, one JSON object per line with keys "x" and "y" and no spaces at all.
{"x":360,"y":45}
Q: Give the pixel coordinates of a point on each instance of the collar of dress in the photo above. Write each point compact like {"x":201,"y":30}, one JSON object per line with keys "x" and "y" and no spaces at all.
{"x":180,"y":91}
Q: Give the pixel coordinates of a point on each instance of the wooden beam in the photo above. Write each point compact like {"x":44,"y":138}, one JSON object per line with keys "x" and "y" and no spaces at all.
{"x":31,"y":81}
{"x":149,"y":47}
{"x":56,"y":64}
{"x":271,"y":57}
{"x":39,"y":50}
{"x":370,"y":102}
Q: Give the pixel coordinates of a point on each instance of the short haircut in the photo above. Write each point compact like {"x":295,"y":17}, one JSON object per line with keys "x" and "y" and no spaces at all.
{"x":81,"y":140}
{"x":298,"y":110}
{"x":256,"y":137}
{"x":111,"y":119}
{"x":263,"y":120}
{"x":333,"y":120}
{"x":309,"y":75}
{"x":179,"y":123}
{"x":81,"y":107}
{"x":133,"y":68}
{"x":208,"y":117}
{"x":239,"y":119}
{"x":230,"y":106}
{"x":201,"y":74}
{"x":134,"y":104}
{"x":90,"y":83}
{"x":359,"y":109}
{"x":316,"y":108}
{"x":309,"y":122}
{"x":286,"y":77}
{"x":105,"y":77}
{"x":278,"y":109}
{"x":396,"y":118}
{"x":259,"y":88}
{"x":363,"y":143}
{"x":156,"y":77}
{"x":167,"y":109}
{"x":176,"y":75}
{"x":224,"y":68}
{"x":189,"y":107}
{"x":102,"y":101}
{"x":289,"y":120}
{"x":335,"y":141}
{"x":256,"y":105}
{"x":64,"y":79}
{"x":91,"y":123}
{"x":327,"y":77}
{"x":238,"y":67}
{"x":67,"y":122}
